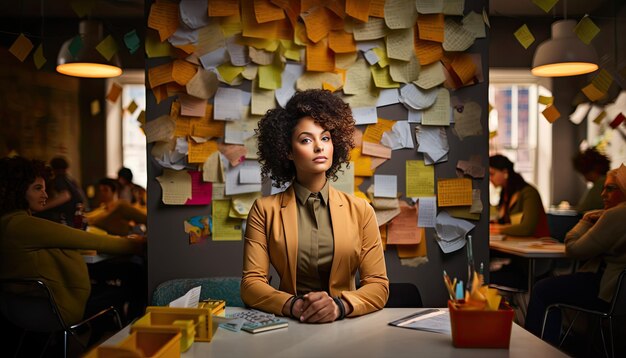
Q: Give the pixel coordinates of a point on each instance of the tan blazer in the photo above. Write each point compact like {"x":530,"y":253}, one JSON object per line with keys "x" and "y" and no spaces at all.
{"x":272,"y":237}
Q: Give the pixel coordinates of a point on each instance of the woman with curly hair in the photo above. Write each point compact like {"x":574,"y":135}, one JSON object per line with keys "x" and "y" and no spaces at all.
{"x":315,"y":236}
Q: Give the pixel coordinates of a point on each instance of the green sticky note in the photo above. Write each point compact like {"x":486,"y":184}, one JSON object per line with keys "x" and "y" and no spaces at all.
{"x":38,"y":57}
{"x":132,"y":42}
{"x":76,"y":45}
{"x":545,"y":5}
{"x":524,"y":36}
{"x":107,"y":47}
{"x":269,"y":77}
{"x":82,"y":8}
{"x":586,"y":30}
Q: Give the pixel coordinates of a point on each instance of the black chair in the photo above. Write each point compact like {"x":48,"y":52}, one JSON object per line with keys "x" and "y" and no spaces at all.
{"x":29,"y":305}
{"x":404,"y":295}
{"x":617,"y":308}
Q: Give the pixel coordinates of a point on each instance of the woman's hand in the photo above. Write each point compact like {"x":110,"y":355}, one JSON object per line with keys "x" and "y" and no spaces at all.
{"x":318,"y":307}
{"x":592,"y":216}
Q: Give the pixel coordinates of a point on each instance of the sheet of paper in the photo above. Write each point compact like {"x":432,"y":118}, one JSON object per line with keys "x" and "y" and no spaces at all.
{"x":551,"y":113}
{"x":420,"y":179}
{"x":234,"y":153}
{"x":374,"y":29}
{"x":471,"y":168}
{"x":603,"y":80}
{"x":374,"y":132}
{"x":200,"y":151}
{"x":317,"y":22}
{"x":427,"y":208}
{"x":211,"y":169}
{"x":192,"y":106}
{"x":164,"y":17}
{"x":237,"y":132}
{"x":223,"y":104}
{"x":431,"y":27}
{"x":464,"y":67}
{"x":233,"y":183}
{"x":290,"y":75}
{"x":429,"y":6}
{"x":223,"y":8}
{"x":428,"y":52}
{"x":467,"y":120}
{"x":201,"y":192}
{"x":160,"y":75}
{"x":183,"y":71}
{"x":345,"y":178}
{"x":433,"y":142}
{"x":586,"y":30}
{"x":386,"y":186}
{"x":474,"y":23}
{"x":159,"y":129}
{"x":524,"y":36}
{"x":545,"y":100}
{"x":319,"y":57}
{"x":376,"y":150}
{"x":175,"y":186}
{"x":387,"y":97}
{"x":438,"y":322}
{"x":400,"y":14}
{"x":477,"y":204}
{"x":107,"y":47}
{"x":439,"y":113}
{"x":404,"y":71}
{"x":456,"y":37}
{"x":402,"y":229}
{"x":454,"y":192}
{"x":358,"y":9}
{"x":250,"y":174}
{"x":450,"y":232}
{"x":431,"y":75}
{"x":418,"y":98}
{"x":399,"y":137}
{"x":400,"y":44}
{"x":224,"y":227}
{"x":358,"y":78}
{"x":262,"y":100}
{"x":114,"y":92}
{"x":188,"y":300}
{"x":386,"y":215}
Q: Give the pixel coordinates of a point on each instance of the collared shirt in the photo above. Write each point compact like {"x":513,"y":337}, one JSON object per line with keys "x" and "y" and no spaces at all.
{"x":315,"y":240}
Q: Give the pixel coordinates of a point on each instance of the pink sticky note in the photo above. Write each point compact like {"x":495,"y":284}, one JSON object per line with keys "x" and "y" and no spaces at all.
{"x":201,"y":192}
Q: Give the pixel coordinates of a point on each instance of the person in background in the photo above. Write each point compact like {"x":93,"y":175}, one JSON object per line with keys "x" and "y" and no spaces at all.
{"x":315,"y":236}
{"x":593,"y":165}
{"x":520,"y":210}
{"x":599,"y":239}
{"x":66,"y":194}
{"x":115,"y":216}
{"x":32,"y":247}
{"x":130,"y":191}
{"x":521,"y":214}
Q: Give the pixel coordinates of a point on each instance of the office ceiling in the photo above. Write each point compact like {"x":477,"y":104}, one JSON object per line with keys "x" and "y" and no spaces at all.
{"x":62,"y":9}
{"x":571,"y":8}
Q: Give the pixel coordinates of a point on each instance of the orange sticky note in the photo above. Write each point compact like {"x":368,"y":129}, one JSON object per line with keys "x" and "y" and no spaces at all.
{"x":464,"y":67}
{"x":359,"y":9}
{"x":159,"y":92}
{"x":316,"y":22}
{"x":223,"y":7}
{"x":454,"y":192}
{"x":114,"y":92}
{"x":164,"y":18}
{"x":183,"y":71}
{"x":377,"y":8}
{"x":551,"y":113}
{"x":319,"y":57}
{"x":409,"y":251}
{"x":265,"y":11}
{"x":160,"y":75}
{"x":592,"y":92}
{"x":402,"y":230}
{"x":374,"y":132}
{"x":21,"y":47}
{"x":341,"y":42}
{"x":431,"y":27}
{"x":428,"y":52}
{"x":252,"y":28}
{"x":198,"y":152}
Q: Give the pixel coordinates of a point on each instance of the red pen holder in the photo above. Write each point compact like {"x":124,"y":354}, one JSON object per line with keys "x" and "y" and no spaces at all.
{"x":472,"y":328}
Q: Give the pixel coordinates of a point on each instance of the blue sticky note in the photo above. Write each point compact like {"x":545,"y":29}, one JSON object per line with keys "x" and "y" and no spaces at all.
{"x":76,"y":45}
{"x":132,"y":41}
{"x":459,"y":291}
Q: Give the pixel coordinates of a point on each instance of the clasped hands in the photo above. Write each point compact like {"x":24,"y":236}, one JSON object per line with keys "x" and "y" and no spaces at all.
{"x":314,"y":307}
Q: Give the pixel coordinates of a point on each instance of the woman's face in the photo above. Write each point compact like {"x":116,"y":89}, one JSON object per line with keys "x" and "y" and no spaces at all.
{"x":311,"y":148}
{"x":611,"y":195}
{"x":36,"y":195}
{"x":498,"y":177}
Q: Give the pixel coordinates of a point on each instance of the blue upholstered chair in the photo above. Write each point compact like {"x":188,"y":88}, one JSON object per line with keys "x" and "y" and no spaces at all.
{"x":220,"y":288}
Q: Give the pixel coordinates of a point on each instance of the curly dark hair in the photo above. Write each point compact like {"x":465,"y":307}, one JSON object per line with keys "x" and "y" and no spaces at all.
{"x":16,"y":175}
{"x":591,"y":160}
{"x":276,"y":128}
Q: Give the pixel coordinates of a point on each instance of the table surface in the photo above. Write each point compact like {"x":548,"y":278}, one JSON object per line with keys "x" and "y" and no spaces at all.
{"x":365,"y":336}
{"x":528,"y":247}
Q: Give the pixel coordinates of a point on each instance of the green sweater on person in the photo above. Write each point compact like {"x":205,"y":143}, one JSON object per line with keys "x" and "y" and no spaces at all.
{"x":592,"y":200}
{"x":534,"y":221}
{"x":31,"y":247}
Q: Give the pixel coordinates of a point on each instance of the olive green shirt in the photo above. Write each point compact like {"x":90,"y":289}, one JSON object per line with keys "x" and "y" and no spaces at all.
{"x":315,"y":240}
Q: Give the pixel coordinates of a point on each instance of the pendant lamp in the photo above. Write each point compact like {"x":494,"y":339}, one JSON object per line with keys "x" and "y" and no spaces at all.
{"x":564,"y":54}
{"x":81,"y":59}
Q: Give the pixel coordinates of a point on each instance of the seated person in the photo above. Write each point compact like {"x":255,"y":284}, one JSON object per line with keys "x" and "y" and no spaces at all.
{"x":64,"y":194}
{"x":130,"y":191}
{"x":32,"y":247}
{"x":520,"y":213}
{"x":593,"y":165}
{"x":599,"y":239}
{"x":315,"y":236}
{"x":115,"y":216}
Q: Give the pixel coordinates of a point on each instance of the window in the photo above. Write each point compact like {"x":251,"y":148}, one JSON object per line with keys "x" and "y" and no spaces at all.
{"x":126,"y":142}
{"x":517,"y":129}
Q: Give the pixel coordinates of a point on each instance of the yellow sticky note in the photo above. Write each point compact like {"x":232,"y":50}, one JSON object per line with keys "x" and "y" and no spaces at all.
{"x":132,"y":107}
{"x":599,"y":118}
{"x":454,"y":192}
{"x":545,"y":5}
{"x":381,"y":77}
{"x":270,"y":76}
{"x":156,"y":48}
{"x":586,"y":30}
{"x":593,"y":93}
{"x":107,"y":47}
{"x":82,"y":8}
{"x":21,"y":47}
{"x":224,"y":228}
{"x":199,"y":152}
{"x":551,"y":113}
{"x":524,"y":36}
{"x":229,"y":72}
{"x":176,"y":186}
{"x":231,"y":25}
{"x":420,"y":179}
{"x":38,"y":57}
{"x":545,"y":100}
{"x":603,"y":80}
{"x":95,"y":107}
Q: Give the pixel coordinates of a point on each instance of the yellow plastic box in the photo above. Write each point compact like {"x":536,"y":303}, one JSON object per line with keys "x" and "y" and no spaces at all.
{"x":166,"y":316}
{"x":142,"y":344}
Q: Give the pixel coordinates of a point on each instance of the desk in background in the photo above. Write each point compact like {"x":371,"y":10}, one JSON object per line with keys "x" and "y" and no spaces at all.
{"x":365,"y":336}
{"x":529,"y":248}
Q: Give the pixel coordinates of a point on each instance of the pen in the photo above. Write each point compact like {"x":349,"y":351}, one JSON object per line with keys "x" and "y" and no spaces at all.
{"x":459,"y":291}
{"x":449,"y":287}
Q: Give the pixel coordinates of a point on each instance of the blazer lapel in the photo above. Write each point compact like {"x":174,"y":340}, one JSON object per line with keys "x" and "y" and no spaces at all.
{"x":289,"y":218}
{"x":340,"y":232}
